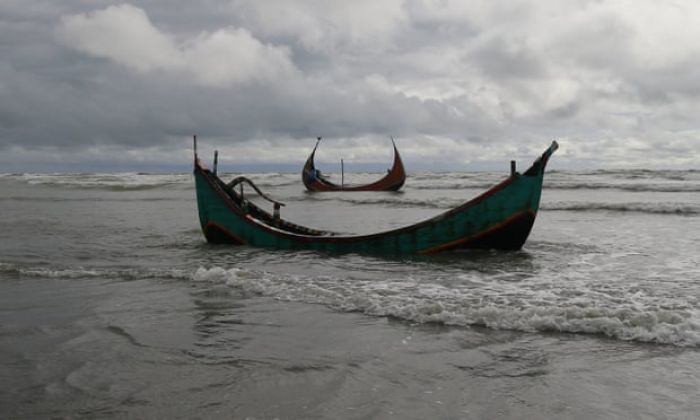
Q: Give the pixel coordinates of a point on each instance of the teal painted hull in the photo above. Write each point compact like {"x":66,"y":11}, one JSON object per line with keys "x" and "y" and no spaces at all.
{"x":500,"y":218}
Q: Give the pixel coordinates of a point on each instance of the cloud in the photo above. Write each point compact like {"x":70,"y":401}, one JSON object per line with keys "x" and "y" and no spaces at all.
{"x":453,"y":81}
{"x":125,"y":35}
{"x":325,"y":27}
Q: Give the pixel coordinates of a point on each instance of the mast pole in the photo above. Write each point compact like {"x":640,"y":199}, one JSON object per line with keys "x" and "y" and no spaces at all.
{"x":195,"y":147}
{"x":216,"y":160}
{"x":342,"y":175}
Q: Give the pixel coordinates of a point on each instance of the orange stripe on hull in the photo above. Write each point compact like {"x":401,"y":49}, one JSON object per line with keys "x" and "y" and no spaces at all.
{"x":216,"y":227}
{"x":490,"y":231}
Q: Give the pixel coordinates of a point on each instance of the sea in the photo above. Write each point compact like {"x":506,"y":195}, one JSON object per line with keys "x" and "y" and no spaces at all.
{"x":113,"y":305}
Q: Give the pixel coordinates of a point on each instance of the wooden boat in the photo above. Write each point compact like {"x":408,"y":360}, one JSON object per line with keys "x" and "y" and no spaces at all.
{"x":392,"y":181}
{"x":500,"y":218}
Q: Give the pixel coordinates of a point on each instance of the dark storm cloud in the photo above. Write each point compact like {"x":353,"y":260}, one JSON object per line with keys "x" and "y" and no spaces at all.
{"x":84,"y":99}
{"x":124,"y":77}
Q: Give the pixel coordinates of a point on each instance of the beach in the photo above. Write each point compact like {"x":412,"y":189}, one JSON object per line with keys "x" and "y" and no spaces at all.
{"x":114,"y":306}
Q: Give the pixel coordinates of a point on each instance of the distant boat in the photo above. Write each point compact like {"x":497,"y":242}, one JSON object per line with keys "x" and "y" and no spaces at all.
{"x":500,"y":218}
{"x":392,"y":181}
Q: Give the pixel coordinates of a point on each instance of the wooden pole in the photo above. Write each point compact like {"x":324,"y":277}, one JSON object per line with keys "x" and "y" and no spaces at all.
{"x":195,"y":147}
{"x":342,"y":175}
{"x":276,"y":213}
{"x":216,"y":160}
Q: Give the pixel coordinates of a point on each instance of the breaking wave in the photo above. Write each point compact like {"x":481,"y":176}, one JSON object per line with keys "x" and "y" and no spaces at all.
{"x":681,"y":209}
{"x":631,"y":187}
{"x":109,"y":182}
{"x":383,"y":199}
{"x":565,"y":185}
{"x":570,"y":305}
{"x":572,"y":309}
{"x":140,"y":181}
{"x":445,"y":203}
{"x":86,"y":273}
{"x":669,"y":174}
{"x":453,"y":186}
{"x":437,"y":203}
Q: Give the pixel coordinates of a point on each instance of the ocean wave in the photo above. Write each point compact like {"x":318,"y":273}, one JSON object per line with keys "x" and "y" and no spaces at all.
{"x":452,"y":186}
{"x":109,"y":182}
{"x":631,"y":187}
{"x":570,"y":306}
{"x":83,"y":273}
{"x":556,"y":184}
{"x":563,"y":183}
{"x":388,"y":199}
{"x":56,"y":199}
{"x":140,"y":181}
{"x":681,"y":209}
{"x":669,"y":174}
{"x":434,"y":203}
{"x":461,"y":176}
{"x":565,"y":310}
{"x":624,"y":180}
{"x":444,"y":203}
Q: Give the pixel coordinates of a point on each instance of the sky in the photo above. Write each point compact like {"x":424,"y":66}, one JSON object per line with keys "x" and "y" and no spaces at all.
{"x":94,"y":85}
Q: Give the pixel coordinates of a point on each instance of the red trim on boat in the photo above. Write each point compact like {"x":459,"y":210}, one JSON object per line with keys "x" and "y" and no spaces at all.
{"x":493,"y":229}
{"x":223,"y":230}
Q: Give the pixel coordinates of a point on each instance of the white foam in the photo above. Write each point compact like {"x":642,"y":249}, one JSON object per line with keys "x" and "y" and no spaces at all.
{"x":248,"y":281}
{"x":127,"y":180}
{"x":81,"y":272}
{"x":529,"y":308}
{"x":639,"y":207}
{"x":554,"y":302}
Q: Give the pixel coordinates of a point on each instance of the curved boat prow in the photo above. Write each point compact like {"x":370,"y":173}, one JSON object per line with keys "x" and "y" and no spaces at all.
{"x":309,"y":172}
{"x":547,"y":153}
{"x":539,"y":165}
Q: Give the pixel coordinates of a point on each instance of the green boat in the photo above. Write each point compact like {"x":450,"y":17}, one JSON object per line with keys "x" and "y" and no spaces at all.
{"x":500,"y":218}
